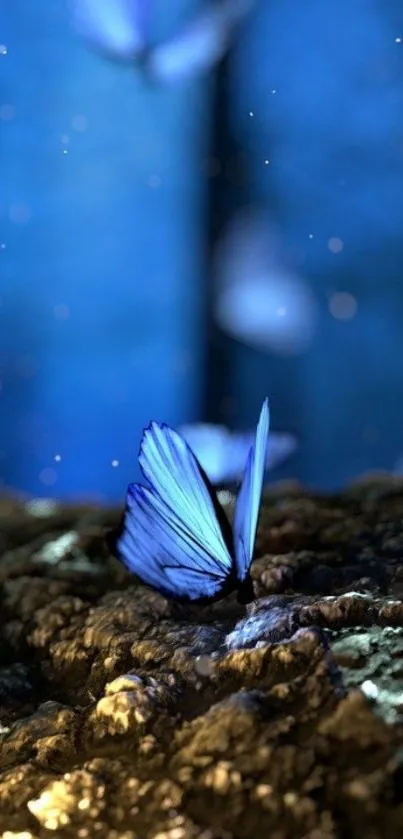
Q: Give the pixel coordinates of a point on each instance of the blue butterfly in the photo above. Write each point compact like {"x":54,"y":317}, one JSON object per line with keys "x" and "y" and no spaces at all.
{"x":175,"y":535}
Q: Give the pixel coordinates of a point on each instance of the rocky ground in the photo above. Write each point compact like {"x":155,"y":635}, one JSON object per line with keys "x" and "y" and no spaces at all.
{"x":126,"y":716}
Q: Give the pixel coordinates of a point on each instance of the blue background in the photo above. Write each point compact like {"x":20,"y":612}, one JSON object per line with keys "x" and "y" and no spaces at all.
{"x":107,"y":218}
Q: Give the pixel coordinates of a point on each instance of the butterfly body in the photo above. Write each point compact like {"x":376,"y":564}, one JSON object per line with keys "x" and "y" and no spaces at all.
{"x":175,"y":536}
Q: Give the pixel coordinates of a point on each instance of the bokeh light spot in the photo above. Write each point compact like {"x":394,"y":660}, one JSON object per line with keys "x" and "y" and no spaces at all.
{"x":48,"y":476}
{"x":335,"y":244}
{"x":342,"y":305}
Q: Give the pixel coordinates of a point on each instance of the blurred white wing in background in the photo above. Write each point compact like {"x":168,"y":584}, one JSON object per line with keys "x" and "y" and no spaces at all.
{"x":260,"y":300}
{"x":116,"y":28}
{"x":120,"y":30}
{"x":223,"y":453}
{"x":199,"y":45}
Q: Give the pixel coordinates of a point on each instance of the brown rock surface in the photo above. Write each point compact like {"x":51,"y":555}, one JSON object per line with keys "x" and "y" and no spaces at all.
{"x":126,"y":716}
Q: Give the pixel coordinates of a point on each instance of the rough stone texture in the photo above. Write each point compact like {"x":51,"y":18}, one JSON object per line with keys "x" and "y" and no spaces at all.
{"x":127,"y":716}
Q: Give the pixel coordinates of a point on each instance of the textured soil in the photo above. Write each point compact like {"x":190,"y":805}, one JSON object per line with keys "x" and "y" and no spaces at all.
{"x":127,"y":716}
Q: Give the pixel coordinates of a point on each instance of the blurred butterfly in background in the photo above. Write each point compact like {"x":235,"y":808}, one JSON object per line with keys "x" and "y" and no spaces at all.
{"x":222,"y":453}
{"x":175,"y":535}
{"x":120,"y":30}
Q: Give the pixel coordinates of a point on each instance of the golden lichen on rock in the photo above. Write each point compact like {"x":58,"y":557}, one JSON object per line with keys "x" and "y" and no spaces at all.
{"x":126,"y":716}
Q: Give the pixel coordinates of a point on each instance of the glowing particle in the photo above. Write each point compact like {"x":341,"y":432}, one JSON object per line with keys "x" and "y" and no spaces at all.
{"x":61,"y":311}
{"x":273,"y":90}
{"x":251,"y":114}
{"x":115,"y":463}
{"x":84,"y":804}
{"x":48,"y":476}
{"x":3,"y":246}
{"x":310,"y":236}
{"x":335,"y":244}
{"x":267,"y":162}
{"x":65,"y":141}
{"x":58,"y":458}
{"x":3,"y":49}
{"x":370,"y":689}
{"x":342,"y":305}
{"x":398,"y":40}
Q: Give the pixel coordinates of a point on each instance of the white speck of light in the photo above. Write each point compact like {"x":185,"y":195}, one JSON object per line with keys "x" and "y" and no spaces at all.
{"x":251,"y":114}
{"x":335,"y":244}
{"x":58,"y":458}
{"x":48,"y":476}
{"x":3,"y":49}
{"x":310,"y":236}
{"x":115,"y":463}
{"x":342,"y":305}
{"x":267,"y":162}
{"x":370,"y":689}
{"x":398,"y":40}
{"x":3,"y":246}
{"x":273,"y":90}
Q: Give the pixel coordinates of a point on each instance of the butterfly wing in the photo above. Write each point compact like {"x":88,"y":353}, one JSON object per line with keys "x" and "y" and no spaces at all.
{"x":175,"y":536}
{"x":113,"y":27}
{"x":200,"y":44}
{"x":248,"y":501}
